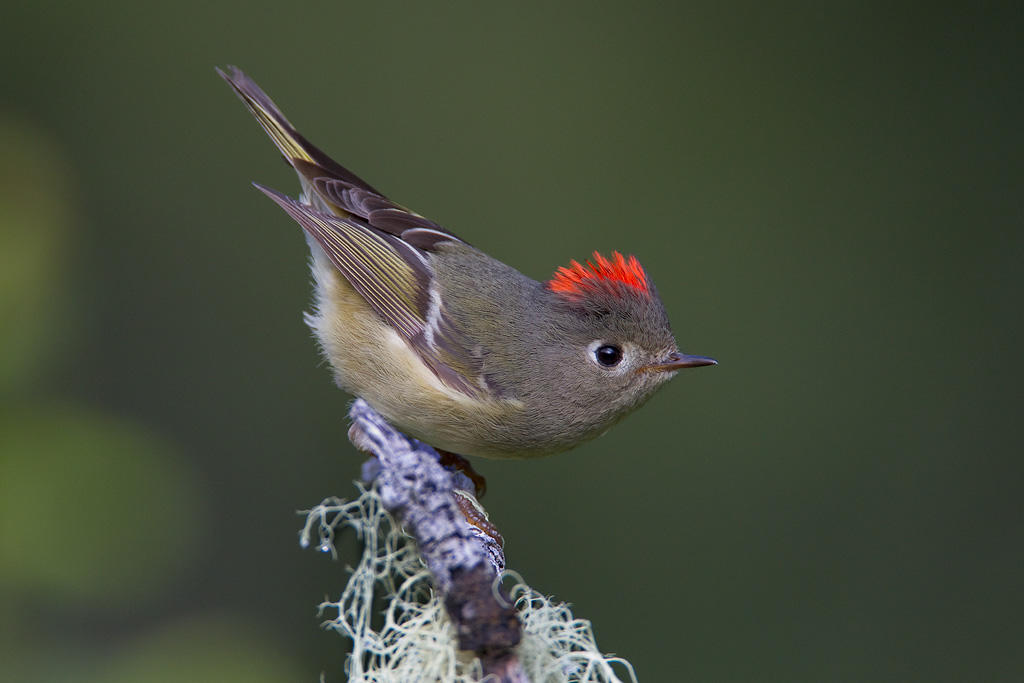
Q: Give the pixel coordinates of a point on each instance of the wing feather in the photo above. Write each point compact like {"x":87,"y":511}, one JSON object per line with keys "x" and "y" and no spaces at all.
{"x":344,"y":198}
{"x":380,"y":247}
{"x":387,"y":281}
{"x":395,"y":280}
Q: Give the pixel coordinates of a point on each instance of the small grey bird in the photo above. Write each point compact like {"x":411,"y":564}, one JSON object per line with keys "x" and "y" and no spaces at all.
{"x":452,"y":346}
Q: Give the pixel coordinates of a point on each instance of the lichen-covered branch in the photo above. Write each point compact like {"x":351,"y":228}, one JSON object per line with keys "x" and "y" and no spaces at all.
{"x":438,"y":562}
{"x":464,"y":561}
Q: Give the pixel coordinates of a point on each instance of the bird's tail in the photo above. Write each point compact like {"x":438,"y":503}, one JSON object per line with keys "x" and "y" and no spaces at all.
{"x":305,"y":158}
{"x":284,"y":135}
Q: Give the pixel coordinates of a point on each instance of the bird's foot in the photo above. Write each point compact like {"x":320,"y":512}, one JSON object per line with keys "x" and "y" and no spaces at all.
{"x":458,"y":463}
{"x":477,"y":516}
{"x":468,"y":502}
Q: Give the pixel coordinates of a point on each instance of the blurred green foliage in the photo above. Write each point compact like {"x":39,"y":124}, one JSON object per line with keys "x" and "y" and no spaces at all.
{"x":35,"y":214}
{"x":829,"y":198}
{"x":205,"y":649}
{"x":91,"y":509}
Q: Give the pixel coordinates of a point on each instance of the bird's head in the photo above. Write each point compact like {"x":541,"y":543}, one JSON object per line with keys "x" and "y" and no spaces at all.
{"x":611,"y":337}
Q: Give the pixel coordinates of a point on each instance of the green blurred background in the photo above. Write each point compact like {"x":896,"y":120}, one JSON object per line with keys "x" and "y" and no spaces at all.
{"x":829,"y":198}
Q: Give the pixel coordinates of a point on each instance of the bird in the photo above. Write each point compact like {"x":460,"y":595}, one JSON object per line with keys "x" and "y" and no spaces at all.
{"x":452,"y":346}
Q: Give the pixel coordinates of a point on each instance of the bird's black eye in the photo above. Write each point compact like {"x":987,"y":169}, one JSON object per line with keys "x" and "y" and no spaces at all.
{"x":607,"y":355}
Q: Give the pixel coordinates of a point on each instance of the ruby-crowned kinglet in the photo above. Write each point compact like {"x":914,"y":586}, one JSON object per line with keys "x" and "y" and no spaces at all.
{"x":453,"y":347}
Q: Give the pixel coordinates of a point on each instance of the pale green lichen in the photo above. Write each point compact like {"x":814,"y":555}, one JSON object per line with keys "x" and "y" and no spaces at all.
{"x":415,"y":640}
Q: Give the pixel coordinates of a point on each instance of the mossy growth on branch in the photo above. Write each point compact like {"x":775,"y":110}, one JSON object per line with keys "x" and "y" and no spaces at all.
{"x":416,"y":640}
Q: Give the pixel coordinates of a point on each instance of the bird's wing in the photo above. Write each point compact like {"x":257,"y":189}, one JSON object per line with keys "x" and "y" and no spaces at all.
{"x":379,"y":246}
{"x":346,"y":198}
{"x":397,"y":281}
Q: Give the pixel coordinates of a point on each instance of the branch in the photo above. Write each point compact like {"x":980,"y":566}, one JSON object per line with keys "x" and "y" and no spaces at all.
{"x":464,"y":559}
{"x":433,"y":556}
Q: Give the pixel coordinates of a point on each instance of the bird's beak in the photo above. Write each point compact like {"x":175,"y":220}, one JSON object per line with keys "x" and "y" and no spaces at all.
{"x":678,"y":361}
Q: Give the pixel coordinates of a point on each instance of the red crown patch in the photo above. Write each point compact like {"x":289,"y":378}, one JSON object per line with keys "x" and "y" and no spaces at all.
{"x":577,"y":279}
